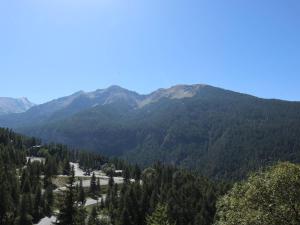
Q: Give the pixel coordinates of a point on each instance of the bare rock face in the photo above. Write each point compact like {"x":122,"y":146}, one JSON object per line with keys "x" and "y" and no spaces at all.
{"x":175,"y":92}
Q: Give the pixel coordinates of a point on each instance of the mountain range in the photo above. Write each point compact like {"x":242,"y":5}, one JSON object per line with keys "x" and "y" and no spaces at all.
{"x":220,"y":133}
{"x":14,"y":105}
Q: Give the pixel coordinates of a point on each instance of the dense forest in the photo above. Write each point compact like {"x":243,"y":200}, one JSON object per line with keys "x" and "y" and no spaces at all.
{"x":28,"y":193}
{"x":222,"y":134}
{"x":190,"y":199}
{"x":26,"y":188}
{"x":40,"y":183}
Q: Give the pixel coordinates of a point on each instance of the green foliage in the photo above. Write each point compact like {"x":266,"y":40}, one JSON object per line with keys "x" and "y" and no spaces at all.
{"x":24,"y":215}
{"x":109,"y":169}
{"x":66,"y":167}
{"x":159,"y":216}
{"x":38,"y":207}
{"x":22,"y":200}
{"x":271,"y":197}
{"x":93,"y":218}
{"x":191,"y":199}
{"x":93,"y":185}
{"x":48,"y":198}
{"x":68,"y":212}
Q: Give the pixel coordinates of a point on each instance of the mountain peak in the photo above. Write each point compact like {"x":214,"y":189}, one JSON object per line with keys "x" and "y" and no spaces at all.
{"x":26,"y":101}
{"x":175,"y":92}
{"x":115,"y":88}
{"x":110,"y":89}
{"x":14,"y":105}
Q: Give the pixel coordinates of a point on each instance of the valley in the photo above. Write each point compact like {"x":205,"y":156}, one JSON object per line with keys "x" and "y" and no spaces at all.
{"x":149,"y":112}
{"x":181,"y":155}
{"x":220,"y":133}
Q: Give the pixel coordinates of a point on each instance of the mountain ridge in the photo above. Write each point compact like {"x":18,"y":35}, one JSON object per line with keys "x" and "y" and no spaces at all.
{"x":82,"y":100}
{"x":14,"y":105}
{"x":216,"y":131}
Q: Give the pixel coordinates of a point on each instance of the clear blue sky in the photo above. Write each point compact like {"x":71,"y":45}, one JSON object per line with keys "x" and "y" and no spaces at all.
{"x":52,"y":48}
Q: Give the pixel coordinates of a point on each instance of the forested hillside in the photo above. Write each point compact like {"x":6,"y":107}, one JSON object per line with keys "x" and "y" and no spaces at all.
{"x":222,"y":134}
{"x":27,"y":193}
{"x":45,"y":188}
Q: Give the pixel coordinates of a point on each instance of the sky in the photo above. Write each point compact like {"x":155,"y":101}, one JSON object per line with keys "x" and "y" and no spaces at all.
{"x":52,"y":48}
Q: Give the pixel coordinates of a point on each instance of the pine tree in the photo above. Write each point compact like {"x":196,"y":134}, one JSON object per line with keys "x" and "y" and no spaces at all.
{"x":98,"y":187}
{"x":108,"y":199}
{"x":68,"y":213}
{"x":24,"y":217}
{"x":23,"y":177}
{"x":50,"y":166}
{"x":37,"y":206}
{"x":126,"y":175}
{"x":5,"y":202}
{"x":125,"y":219}
{"x":93,"y":185}
{"x":15,"y":188}
{"x":66,"y":168}
{"x":102,"y":204}
{"x":81,"y":194}
{"x":47,"y":181}
{"x":137,"y":173}
{"x":111,"y":181}
{"x":26,"y":187}
{"x":48,"y":200}
{"x":159,"y":216}
{"x":93,"y":218}
{"x":80,"y":216}
{"x":112,"y":204}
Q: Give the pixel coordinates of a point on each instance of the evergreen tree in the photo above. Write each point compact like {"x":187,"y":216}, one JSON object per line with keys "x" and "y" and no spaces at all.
{"x":48,"y":200}
{"x":159,"y":216}
{"x":125,"y":218}
{"x":47,"y":181}
{"x":24,"y":217}
{"x":108,"y":199}
{"x":81,"y":194}
{"x":93,"y":185}
{"x":21,"y":198}
{"x":23,"y":177}
{"x":137,"y":173}
{"x":93,"y":218}
{"x":37,"y":206}
{"x":68,"y":213}
{"x":80,"y":216}
{"x":66,"y":167}
{"x":102,"y":204}
{"x":5,"y":201}
{"x":50,"y":166}
{"x":15,"y":188}
{"x":26,"y":186}
{"x":126,"y":175}
{"x":111,"y":182}
{"x":98,"y":187}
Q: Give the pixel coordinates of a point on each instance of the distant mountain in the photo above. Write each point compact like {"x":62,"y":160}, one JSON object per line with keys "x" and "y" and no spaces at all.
{"x":66,"y":107}
{"x":218,"y":132}
{"x":12,"y":105}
